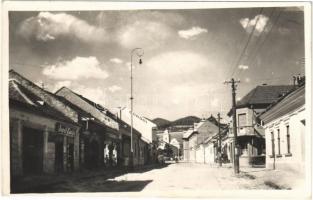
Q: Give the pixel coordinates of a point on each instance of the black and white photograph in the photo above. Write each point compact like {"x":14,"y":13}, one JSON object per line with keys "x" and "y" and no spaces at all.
{"x":157,"y":100}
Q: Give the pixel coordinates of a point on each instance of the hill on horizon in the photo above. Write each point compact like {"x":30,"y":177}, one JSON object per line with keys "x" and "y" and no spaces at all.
{"x":164,"y":123}
{"x":160,"y":122}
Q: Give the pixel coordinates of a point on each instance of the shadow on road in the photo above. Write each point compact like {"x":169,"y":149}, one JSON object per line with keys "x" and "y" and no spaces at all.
{"x":82,"y":181}
{"x":98,"y":186}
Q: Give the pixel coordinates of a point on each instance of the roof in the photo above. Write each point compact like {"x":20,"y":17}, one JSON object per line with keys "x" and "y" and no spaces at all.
{"x":188,"y":133}
{"x":46,"y":96}
{"x":105,"y":114}
{"x":290,"y":102}
{"x":215,"y":121}
{"x":215,"y":136}
{"x":263,"y":95}
{"x":21,"y":96}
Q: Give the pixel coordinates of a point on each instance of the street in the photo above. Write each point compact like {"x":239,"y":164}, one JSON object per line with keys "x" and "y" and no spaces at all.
{"x":185,"y":177}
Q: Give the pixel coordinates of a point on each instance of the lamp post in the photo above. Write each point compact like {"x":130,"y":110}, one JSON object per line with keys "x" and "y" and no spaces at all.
{"x":139,"y":52}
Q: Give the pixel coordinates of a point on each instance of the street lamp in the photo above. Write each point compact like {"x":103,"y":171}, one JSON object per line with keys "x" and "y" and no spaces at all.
{"x":139,"y":52}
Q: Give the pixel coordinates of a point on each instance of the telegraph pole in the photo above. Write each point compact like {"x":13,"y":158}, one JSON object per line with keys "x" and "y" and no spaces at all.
{"x":219,"y":140}
{"x":235,"y":143}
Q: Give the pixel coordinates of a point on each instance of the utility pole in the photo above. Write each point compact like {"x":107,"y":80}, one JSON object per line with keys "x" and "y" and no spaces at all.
{"x":235,"y":143}
{"x":219,"y":140}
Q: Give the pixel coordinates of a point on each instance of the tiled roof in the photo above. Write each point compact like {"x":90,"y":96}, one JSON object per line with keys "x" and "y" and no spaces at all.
{"x":105,"y":116}
{"x":19,"y":93}
{"x":215,"y":121}
{"x":291,"y":101}
{"x":264,"y":94}
{"x":188,"y":133}
{"x":21,"y":96}
{"x":80,"y":111}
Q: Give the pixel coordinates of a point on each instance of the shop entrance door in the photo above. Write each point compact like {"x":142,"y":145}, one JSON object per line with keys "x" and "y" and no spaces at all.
{"x":94,"y":154}
{"x":70,"y":161}
{"x":32,"y":151}
{"x":59,"y":155}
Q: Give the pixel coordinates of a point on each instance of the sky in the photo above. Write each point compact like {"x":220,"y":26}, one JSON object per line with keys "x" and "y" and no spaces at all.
{"x":187,"y":55}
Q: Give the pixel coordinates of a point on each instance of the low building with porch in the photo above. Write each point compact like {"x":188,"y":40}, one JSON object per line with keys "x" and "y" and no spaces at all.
{"x":100,"y":136}
{"x":44,"y":132}
{"x":285,"y":133}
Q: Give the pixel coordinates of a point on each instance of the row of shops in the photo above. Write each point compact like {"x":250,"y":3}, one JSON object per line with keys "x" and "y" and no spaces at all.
{"x":64,"y":131}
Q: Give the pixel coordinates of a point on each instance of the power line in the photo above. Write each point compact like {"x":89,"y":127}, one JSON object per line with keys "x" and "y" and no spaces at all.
{"x":241,"y":42}
{"x":259,"y":41}
{"x":245,"y":47}
{"x":252,"y":61}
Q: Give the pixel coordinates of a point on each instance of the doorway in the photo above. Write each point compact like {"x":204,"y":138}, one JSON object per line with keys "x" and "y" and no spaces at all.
{"x":70,"y":158}
{"x":92,"y":157}
{"x":32,"y":151}
{"x":59,"y":155}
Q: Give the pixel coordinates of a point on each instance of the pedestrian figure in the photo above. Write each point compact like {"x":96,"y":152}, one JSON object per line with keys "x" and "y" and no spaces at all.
{"x":106,"y":161}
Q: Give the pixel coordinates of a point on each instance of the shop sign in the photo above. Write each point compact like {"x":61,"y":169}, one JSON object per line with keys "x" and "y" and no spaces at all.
{"x":111,"y":135}
{"x":65,"y":130}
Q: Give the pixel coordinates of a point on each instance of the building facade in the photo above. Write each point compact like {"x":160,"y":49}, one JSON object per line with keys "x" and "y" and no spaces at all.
{"x":44,"y":132}
{"x":100,"y":138}
{"x":196,"y":146}
{"x":250,"y":135}
{"x":284,"y":124}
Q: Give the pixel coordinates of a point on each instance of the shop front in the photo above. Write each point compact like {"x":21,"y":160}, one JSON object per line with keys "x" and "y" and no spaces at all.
{"x":40,"y":144}
{"x":112,"y":148}
{"x":91,"y":147}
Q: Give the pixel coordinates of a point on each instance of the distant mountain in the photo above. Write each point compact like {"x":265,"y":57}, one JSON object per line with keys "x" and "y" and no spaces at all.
{"x":189,"y":120}
{"x":160,"y":122}
{"x":173,"y":125}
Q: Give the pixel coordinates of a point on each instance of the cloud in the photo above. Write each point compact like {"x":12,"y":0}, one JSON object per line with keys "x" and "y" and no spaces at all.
{"x":48,"y":26}
{"x":243,"y":67}
{"x":79,"y":67}
{"x":147,"y":29}
{"x":114,"y":88}
{"x":192,"y":33}
{"x":144,"y":33}
{"x":177,"y":62}
{"x":248,"y":24}
{"x":116,"y":60}
{"x":144,"y":28}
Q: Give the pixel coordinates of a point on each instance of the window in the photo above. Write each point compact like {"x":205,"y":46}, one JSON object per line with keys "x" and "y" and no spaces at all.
{"x":242,"y":120}
{"x":278,"y":141}
{"x":273,"y":144}
{"x":288,"y":139}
